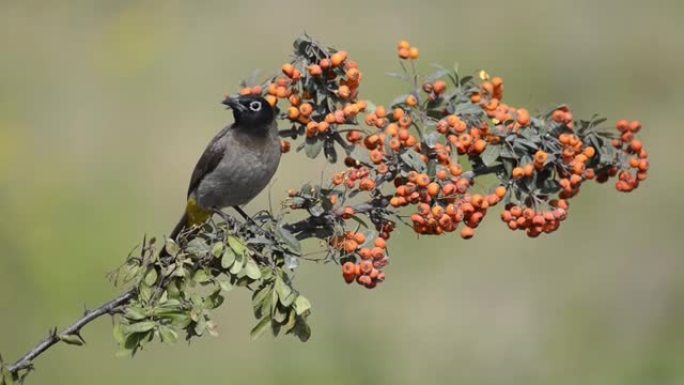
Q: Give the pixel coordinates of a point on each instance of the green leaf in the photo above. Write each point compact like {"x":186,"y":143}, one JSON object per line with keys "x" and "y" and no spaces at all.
{"x":168,"y":335}
{"x":413,"y":160}
{"x":490,"y":155}
{"x":72,"y":339}
{"x":252,"y":269}
{"x":118,"y":333}
{"x":171,"y":247}
{"x":284,"y":291}
{"x":313,"y":147}
{"x":238,"y":265}
{"x":259,"y":328}
{"x":228,"y":258}
{"x":200,"y":326}
{"x":150,"y":277}
{"x":302,"y":330}
{"x":280,"y":315}
{"x":224,"y":283}
{"x":302,"y":305}
{"x":198,"y":247}
{"x":140,"y":327}
{"x":237,"y":245}
{"x":291,"y":321}
{"x":217,"y":249}
{"x":201,"y":276}
{"x":134,"y":313}
{"x":134,"y":340}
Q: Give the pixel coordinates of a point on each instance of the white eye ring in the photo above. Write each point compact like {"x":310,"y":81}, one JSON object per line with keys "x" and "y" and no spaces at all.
{"x":255,"y":106}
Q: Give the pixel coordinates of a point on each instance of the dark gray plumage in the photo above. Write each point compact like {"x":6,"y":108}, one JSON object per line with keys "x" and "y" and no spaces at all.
{"x":238,"y":162}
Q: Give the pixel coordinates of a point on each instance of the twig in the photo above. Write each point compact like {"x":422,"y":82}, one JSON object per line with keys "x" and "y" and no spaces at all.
{"x":26,"y":361}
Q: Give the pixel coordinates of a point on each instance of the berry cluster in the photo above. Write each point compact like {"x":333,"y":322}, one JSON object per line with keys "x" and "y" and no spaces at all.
{"x":535,"y":222}
{"x":629,"y":178}
{"x":372,"y":258}
{"x":427,"y":150}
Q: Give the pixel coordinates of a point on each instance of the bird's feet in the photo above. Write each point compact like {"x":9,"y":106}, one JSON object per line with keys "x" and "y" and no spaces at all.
{"x":232,"y":223}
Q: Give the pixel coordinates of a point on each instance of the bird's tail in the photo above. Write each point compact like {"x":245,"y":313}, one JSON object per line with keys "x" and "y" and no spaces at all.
{"x":182,"y":223}
{"x":192,"y":215}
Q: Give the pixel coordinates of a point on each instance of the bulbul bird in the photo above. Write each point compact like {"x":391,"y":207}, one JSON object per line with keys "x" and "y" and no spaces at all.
{"x":236,"y":165}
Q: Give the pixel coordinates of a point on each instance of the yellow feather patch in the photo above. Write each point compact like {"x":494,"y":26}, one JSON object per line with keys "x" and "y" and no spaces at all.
{"x":196,"y":214}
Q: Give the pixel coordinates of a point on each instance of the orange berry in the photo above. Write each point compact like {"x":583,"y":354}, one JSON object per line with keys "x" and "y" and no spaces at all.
{"x":349,"y":268}
{"x":403,"y":44}
{"x":529,"y":170}
{"x":558,"y":116}
{"x":455,"y":169}
{"x":414,"y":53}
{"x":288,"y":69}
{"x":467,"y":232}
{"x":366,"y":267}
{"x":292,"y":113}
{"x":422,"y":180}
{"x":404,"y":53}
{"x":281,"y":92}
{"x":541,"y":157}
{"x":523,"y":117}
{"x":365,"y":253}
{"x":518,"y":173}
{"x":348,"y":212}
{"x":305,"y":109}
{"x":343,"y":92}
{"x":479,"y":146}
{"x":315,"y":70}
{"x":325,"y":63}
{"x":433,"y":189}
{"x":353,"y":74}
{"x":622,"y":125}
{"x":338,"y":57}
{"x":381,"y":243}
{"x":439,"y":86}
{"x":378,"y":252}
{"x":411,"y":101}
{"x":500,"y":192}
{"x":284,"y":146}
{"x":350,"y":245}
{"x":367,"y":184}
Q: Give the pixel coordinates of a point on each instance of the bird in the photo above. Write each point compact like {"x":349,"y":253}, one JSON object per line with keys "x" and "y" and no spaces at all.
{"x":237,"y":164}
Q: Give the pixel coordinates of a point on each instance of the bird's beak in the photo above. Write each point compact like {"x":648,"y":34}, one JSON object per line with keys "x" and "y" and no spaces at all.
{"x":233,"y":103}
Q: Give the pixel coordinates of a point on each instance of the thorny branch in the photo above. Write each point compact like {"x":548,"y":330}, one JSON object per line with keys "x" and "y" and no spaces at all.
{"x":111,"y":307}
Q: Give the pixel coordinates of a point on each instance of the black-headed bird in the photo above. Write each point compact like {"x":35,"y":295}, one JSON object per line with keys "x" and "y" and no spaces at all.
{"x":236,"y":165}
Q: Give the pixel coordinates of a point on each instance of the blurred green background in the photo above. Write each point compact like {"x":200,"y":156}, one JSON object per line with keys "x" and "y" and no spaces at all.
{"x":105,"y":107}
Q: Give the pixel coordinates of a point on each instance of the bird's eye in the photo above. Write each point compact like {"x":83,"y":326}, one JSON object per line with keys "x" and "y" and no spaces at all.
{"x":255,"y":106}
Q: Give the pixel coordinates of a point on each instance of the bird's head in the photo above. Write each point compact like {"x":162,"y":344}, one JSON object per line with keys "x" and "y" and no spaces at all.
{"x":252,"y":113}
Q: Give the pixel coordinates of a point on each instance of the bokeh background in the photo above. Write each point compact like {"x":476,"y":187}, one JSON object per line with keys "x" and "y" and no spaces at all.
{"x":105,"y":107}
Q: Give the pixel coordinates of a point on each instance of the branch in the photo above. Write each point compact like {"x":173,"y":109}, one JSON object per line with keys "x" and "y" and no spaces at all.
{"x":25,"y":362}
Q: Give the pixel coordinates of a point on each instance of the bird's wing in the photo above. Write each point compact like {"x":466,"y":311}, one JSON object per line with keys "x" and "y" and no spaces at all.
{"x":210,"y":158}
